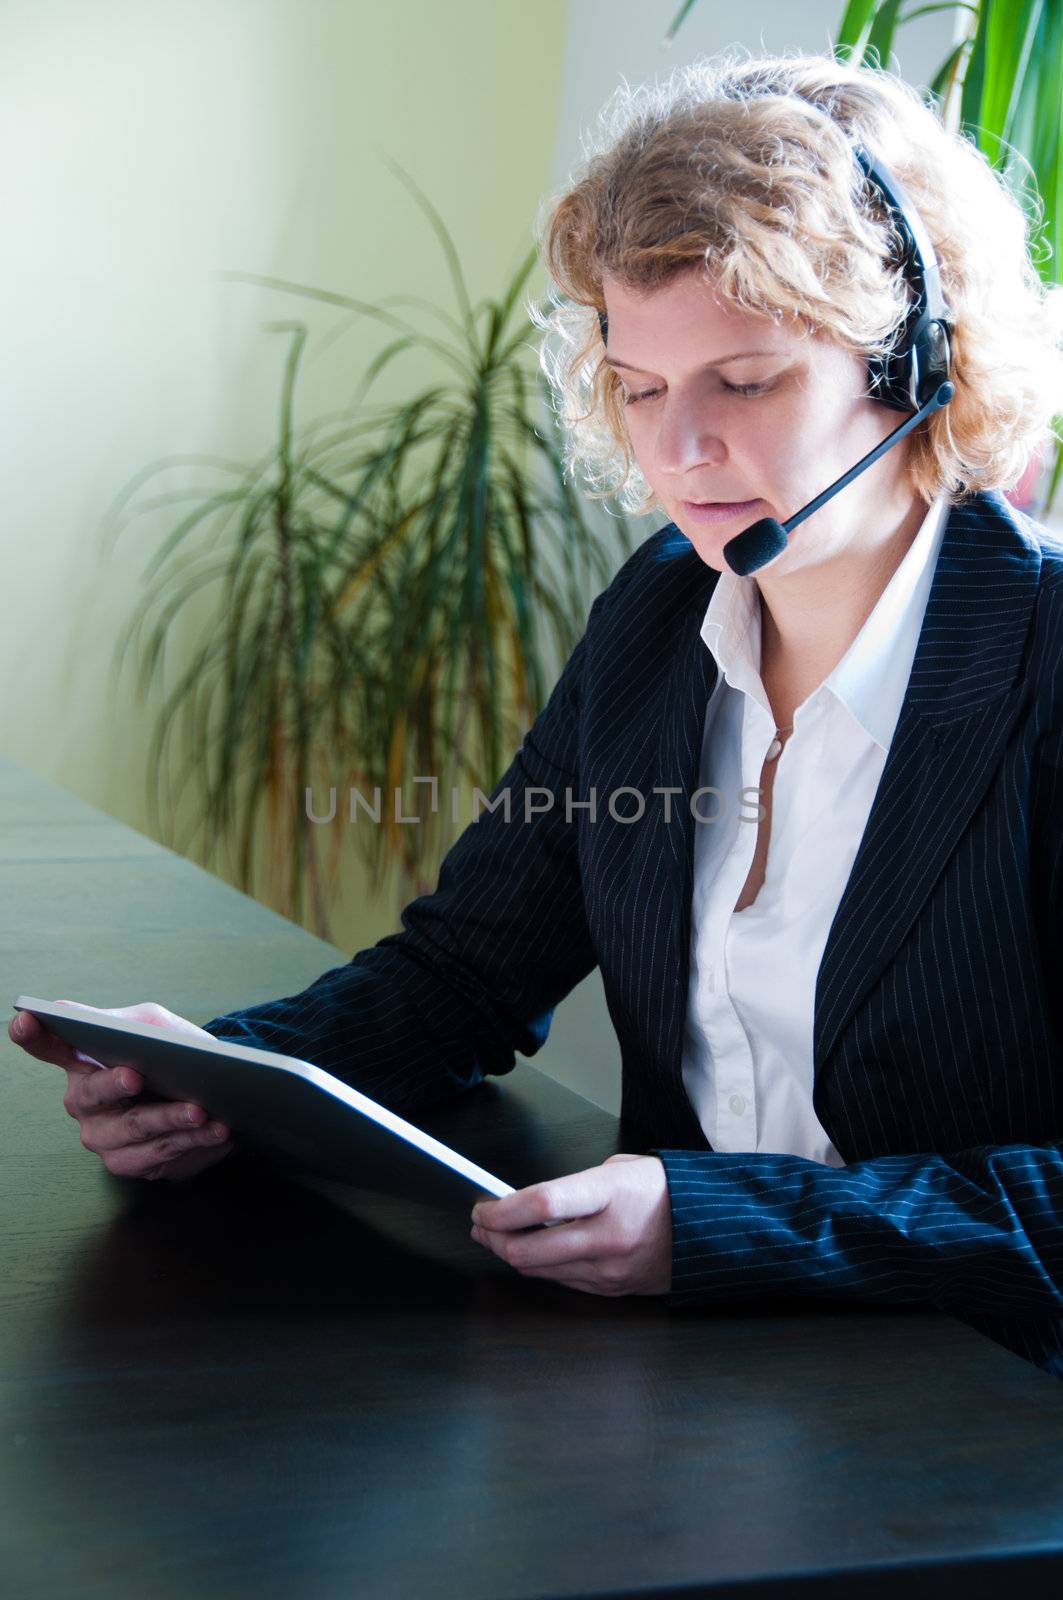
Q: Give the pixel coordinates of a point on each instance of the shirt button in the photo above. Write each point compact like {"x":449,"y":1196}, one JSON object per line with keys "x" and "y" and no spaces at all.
{"x":737,"y":1104}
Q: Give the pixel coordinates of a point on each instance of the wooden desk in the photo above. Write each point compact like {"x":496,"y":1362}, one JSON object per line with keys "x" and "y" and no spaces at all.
{"x":245,"y":1389}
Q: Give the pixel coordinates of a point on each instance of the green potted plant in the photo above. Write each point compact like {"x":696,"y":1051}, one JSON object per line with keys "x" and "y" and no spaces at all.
{"x":374,"y":590}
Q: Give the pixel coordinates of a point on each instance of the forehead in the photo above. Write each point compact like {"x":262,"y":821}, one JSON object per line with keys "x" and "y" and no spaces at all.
{"x":689,"y":313}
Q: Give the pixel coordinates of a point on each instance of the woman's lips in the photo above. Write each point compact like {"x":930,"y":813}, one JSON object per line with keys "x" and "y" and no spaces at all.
{"x":719,"y":510}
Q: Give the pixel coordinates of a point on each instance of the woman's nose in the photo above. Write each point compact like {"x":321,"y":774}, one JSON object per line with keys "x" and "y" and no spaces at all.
{"x":687,"y":437}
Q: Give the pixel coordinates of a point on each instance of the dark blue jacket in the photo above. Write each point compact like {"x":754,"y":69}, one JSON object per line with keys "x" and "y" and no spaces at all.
{"x":938,"y":1035}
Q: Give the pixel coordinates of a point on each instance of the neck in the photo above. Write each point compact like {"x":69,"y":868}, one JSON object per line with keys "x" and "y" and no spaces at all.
{"x":810,"y":617}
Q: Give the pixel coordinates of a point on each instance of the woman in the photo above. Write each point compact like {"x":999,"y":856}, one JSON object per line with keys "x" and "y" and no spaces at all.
{"x":836,"y":1096}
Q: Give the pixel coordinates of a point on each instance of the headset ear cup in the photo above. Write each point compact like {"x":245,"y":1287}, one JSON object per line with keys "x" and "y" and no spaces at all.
{"x":889,"y":380}
{"x":933,"y":359}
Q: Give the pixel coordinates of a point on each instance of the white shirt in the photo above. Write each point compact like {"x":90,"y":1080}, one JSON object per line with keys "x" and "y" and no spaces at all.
{"x":747,"y":1047}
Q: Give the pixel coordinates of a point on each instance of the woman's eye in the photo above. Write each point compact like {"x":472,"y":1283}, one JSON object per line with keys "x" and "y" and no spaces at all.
{"x":731,"y":388}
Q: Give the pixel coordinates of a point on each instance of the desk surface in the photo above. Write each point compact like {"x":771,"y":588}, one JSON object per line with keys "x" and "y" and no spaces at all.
{"x":258,"y":1387}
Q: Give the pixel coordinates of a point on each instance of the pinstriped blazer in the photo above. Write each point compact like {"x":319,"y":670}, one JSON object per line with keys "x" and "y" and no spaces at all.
{"x":938,"y":1032}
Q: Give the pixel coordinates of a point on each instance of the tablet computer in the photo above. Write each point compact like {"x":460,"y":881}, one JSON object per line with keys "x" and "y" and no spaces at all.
{"x":286,"y":1108}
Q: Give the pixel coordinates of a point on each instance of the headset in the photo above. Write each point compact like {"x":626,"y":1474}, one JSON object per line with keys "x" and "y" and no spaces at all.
{"x":912,"y":377}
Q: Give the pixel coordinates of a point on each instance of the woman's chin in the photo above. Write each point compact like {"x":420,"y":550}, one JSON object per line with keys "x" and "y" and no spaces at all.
{"x":709,"y":539}
{"x":709,"y":543}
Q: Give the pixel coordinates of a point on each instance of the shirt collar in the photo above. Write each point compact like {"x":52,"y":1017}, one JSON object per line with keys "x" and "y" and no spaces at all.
{"x":871,"y":678}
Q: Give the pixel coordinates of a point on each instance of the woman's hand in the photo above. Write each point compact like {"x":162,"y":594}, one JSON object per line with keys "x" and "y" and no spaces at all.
{"x":134,"y":1138}
{"x":610,"y":1228}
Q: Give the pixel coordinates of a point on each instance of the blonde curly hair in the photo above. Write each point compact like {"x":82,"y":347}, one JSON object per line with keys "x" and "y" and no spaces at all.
{"x":745,"y":168}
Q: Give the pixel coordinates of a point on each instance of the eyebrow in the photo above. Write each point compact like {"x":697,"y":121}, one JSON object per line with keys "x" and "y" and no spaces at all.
{"x":738,"y":355}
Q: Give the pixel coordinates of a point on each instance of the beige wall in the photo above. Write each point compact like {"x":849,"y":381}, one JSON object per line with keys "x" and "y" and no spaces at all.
{"x":149,"y":147}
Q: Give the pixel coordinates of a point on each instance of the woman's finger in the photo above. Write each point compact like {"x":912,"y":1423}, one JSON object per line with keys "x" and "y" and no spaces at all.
{"x":165,"y":1135}
{"x":26,"y":1030}
{"x":556,"y":1247}
{"x":156,"y":1158}
{"x":558,"y":1200}
{"x":108,"y":1088}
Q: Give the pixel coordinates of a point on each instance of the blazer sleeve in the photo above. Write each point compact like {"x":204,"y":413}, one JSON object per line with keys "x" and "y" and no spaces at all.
{"x":977,"y":1231}
{"x":481,"y":962}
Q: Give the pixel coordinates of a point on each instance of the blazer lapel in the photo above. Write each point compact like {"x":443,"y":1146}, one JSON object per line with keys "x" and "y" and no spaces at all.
{"x":962,"y":699}
{"x":691,"y":680}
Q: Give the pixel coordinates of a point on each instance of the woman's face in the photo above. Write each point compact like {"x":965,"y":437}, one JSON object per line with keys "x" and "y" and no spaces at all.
{"x":764,"y":431}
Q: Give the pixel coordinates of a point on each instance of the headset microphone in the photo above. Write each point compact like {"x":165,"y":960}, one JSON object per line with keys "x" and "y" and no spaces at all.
{"x":912,"y":377}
